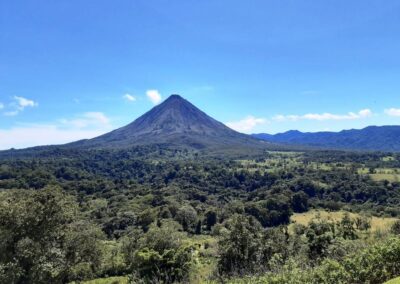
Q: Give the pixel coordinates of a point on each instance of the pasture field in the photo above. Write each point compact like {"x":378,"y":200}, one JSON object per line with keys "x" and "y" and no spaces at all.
{"x":377,"y":223}
{"x":277,"y":161}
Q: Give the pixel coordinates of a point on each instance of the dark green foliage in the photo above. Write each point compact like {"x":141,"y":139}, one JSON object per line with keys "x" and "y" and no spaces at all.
{"x":146,"y":218}
{"x":198,"y":228}
{"x":300,"y":202}
{"x":153,"y":202}
{"x":241,"y":248}
{"x":272,"y":212}
{"x":276,"y":243}
{"x":346,"y":228}
{"x":320,"y":235}
{"x":363,"y":223}
{"x":187,"y":217}
{"x":41,"y":240}
{"x":395,"y":228}
{"x":376,"y":264}
{"x":210,"y":219}
{"x":160,"y":255}
{"x":373,"y":265}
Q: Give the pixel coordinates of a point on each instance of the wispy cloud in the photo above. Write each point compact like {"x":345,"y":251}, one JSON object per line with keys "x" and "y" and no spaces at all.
{"x":83,"y":126}
{"x":393,"y":111}
{"x":18,"y":105}
{"x":154,"y":96}
{"x":246,"y":124}
{"x":129,"y":97}
{"x":88,"y":120}
{"x":1,"y":105}
{"x":325,"y":116}
{"x":24,"y":102}
{"x":22,"y":137}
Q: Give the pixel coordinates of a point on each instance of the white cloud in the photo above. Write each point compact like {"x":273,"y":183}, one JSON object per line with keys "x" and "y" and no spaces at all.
{"x":154,"y":96}
{"x":325,"y":116}
{"x":22,"y":137}
{"x":365,"y":113}
{"x":19,"y":104}
{"x":281,"y":117}
{"x":84,"y":126}
{"x":88,"y":120}
{"x":129,"y":97}
{"x":247,"y":124}
{"x":393,"y":111}
{"x":22,"y":103}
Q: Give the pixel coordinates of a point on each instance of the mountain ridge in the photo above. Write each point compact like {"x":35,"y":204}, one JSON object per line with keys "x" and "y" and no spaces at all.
{"x":370,"y":138}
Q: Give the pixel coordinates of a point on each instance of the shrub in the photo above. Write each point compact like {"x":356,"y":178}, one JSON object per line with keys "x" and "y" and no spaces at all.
{"x":240,"y":248}
{"x":395,"y":228}
{"x":160,"y":255}
{"x":377,"y":264}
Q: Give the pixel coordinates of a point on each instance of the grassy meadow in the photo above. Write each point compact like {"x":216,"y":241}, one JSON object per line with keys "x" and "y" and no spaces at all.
{"x":378,"y":224}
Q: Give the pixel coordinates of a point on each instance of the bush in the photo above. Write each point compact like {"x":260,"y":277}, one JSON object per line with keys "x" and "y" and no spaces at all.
{"x":373,"y":265}
{"x":346,"y":228}
{"x":320,"y":235}
{"x":300,"y":202}
{"x":240,"y":249}
{"x":160,"y":255}
{"x":395,"y":228}
{"x":376,"y":264}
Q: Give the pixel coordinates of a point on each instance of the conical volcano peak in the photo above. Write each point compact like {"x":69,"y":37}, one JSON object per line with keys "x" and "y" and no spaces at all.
{"x":174,"y":121}
{"x":175,"y":99}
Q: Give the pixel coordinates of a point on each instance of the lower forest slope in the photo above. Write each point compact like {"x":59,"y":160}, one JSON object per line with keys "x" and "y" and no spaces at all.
{"x":160,"y":215}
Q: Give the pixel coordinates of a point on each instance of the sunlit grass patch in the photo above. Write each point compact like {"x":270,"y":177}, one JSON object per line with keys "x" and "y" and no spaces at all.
{"x":377,"y":223}
{"x":388,"y":177}
{"x":388,"y":159}
{"x":108,"y":280}
{"x":394,"y":281}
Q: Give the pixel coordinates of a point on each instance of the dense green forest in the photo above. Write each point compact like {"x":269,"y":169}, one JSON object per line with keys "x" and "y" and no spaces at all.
{"x":159,"y":215}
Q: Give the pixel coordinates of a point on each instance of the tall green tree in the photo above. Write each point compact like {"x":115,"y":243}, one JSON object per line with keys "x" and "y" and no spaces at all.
{"x":41,"y":241}
{"x":241,"y":248}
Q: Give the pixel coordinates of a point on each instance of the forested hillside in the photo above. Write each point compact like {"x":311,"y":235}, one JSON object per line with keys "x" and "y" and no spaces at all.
{"x":167,"y":215}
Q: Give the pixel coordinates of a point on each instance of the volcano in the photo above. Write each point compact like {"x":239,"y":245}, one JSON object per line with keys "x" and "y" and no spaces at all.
{"x":175,"y":122}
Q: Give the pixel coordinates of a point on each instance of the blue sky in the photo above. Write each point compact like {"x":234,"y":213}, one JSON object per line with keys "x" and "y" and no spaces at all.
{"x":75,"y":69}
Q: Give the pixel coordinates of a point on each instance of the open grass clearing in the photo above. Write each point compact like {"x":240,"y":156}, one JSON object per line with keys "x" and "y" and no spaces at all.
{"x":377,"y":223}
{"x":108,"y":280}
{"x":388,"y":177}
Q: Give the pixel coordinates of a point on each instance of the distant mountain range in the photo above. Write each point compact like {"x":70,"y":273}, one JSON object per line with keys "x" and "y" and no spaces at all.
{"x":377,"y":138}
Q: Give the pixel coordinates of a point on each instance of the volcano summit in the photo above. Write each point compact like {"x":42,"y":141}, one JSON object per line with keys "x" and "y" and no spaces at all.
{"x":175,"y":122}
